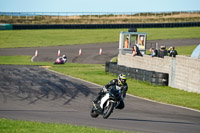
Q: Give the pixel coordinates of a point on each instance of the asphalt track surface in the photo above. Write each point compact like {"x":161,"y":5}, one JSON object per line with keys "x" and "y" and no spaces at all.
{"x":37,"y":94}
{"x":90,"y":52}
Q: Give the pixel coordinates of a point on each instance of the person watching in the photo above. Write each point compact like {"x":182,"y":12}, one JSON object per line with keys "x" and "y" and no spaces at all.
{"x":136,"y":51}
{"x":154,"y":52}
{"x":172,"y":52}
{"x":162,"y":52}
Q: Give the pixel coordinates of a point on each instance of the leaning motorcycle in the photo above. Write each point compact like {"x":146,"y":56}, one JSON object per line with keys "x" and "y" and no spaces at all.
{"x":60,"y":61}
{"x":107,"y":103}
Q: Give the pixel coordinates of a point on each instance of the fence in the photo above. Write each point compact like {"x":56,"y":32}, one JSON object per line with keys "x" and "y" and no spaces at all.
{"x":98,"y":26}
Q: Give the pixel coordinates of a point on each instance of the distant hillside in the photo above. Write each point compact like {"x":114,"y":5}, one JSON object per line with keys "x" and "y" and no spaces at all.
{"x":57,"y":18}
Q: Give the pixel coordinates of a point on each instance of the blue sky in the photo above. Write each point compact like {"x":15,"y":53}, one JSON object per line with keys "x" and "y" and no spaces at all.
{"x":98,"y":5}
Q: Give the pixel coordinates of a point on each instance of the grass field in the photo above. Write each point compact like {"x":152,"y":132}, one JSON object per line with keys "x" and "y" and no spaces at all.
{"x":17,"y":126}
{"x":42,"y":38}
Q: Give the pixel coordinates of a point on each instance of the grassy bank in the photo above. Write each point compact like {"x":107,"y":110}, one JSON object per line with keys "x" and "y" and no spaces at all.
{"x":42,"y":38}
{"x":17,"y":126}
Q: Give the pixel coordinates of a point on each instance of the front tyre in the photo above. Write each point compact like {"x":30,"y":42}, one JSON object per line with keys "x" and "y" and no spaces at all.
{"x":108,"y":110}
{"x":93,"y":113}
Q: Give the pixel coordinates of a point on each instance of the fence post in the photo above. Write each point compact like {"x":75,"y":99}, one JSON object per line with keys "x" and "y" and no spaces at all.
{"x":157,"y":46}
{"x":173,"y":70}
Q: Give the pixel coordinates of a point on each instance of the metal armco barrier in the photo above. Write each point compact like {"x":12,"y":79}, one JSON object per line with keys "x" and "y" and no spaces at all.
{"x":104,"y":26}
{"x":155,"y":78}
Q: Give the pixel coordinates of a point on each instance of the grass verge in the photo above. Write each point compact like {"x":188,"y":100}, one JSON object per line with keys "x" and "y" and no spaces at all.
{"x":42,"y":38}
{"x":17,"y":126}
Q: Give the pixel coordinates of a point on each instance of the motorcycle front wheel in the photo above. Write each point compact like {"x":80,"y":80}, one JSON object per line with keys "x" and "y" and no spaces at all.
{"x":93,"y":113}
{"x":108,"y":110}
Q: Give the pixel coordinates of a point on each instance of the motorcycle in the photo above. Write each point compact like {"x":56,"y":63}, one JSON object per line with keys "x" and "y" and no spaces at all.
{"x":107,"y":103}
{"x":61,"y":60}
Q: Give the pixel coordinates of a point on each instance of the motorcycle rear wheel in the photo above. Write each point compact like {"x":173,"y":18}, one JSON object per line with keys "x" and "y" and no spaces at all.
{"x":108,"y":110}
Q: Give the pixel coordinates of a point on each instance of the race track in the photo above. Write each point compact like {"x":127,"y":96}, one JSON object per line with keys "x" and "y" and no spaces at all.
{"x":37,"y":94}
{"x":90,"y":52}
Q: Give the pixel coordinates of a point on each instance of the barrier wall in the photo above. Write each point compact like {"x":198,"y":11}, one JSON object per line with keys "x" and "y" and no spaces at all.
{"x":184,"y":72}
{"x":104,"y":26}
{"x":6,"y":27}
{"x":154,"y":78}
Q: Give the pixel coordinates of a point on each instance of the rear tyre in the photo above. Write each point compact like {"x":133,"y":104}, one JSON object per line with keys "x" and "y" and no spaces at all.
{"x":108,"y":110}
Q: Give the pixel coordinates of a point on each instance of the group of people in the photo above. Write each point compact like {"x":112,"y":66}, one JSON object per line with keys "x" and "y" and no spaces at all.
{"x":163,"y":52}
{"x":156,"y":53}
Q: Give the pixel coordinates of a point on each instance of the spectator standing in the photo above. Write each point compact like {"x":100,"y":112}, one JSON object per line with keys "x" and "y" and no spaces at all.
{"x":126,"y":43}
{"x":136,"y":51}
{"x":162,"y":52}
{"x":172,"y":52}
{"x":154,"y":52}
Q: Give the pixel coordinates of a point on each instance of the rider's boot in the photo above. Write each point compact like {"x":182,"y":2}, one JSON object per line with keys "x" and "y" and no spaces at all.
{"x":96,"y":102}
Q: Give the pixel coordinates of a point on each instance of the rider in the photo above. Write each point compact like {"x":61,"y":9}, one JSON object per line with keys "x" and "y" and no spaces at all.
{"x":120,"y":83}
{"x":64,"y":58}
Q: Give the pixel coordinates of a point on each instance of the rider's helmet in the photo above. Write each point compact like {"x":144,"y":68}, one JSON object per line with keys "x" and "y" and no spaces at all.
{"x":121,"y":79}
{"x":64,"y":56}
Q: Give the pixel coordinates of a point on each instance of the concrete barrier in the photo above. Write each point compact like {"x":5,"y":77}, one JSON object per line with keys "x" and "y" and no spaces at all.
{"x":184,"y":72}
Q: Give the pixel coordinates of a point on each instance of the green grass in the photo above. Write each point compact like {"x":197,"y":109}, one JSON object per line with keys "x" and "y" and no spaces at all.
{"x":37,"y":38}
{"x":185,"y":50}
{"x":20,"y":60}
{"x":17,"y":126}
{"x":171,"y":33}
{"x":96,"y":74}
{"x":42,"y":38}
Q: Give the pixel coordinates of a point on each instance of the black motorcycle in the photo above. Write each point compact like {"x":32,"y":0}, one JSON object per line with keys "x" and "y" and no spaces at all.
{"x":107,"y":103}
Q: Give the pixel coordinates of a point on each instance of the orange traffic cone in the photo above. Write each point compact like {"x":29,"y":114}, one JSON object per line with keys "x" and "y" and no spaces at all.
{"x":80,"y":52}
{"x":100,"y":51}
{"x":36,"y":52}
{"x":59,"y":52}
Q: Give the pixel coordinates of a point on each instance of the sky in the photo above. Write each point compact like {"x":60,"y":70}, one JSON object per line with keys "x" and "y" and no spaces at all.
{"x":98,"y":5}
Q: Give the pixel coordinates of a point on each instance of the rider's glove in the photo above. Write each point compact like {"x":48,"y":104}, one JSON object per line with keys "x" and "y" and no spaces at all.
{"x":104,"y":89}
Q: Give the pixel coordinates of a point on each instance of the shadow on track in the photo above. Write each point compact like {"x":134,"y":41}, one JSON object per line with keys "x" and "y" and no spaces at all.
{"x":33,"y":84}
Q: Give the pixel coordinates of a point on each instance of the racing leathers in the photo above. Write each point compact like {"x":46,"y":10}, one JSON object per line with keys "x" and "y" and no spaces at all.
{"x":122,"y":87}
